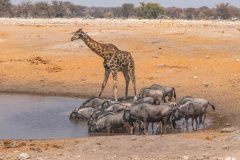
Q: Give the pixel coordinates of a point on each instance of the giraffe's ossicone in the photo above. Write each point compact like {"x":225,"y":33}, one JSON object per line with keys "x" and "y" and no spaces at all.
{"x":115,"y":61}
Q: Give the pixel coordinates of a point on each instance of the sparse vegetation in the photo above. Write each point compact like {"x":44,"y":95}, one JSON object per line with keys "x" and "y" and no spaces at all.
{"x":61,"y":9}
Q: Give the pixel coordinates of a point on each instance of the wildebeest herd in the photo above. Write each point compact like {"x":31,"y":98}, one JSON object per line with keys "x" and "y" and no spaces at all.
{"x":156,"y":105}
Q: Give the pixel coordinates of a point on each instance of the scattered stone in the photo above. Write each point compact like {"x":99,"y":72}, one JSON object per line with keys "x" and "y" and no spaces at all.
{"x":57,"y":146}
{"x":227,"y":124}
{"x":230,"y":158}
{"x":185,"y":157}
{"x":23,"y":156}
{"x":228,"y":130}
{"x":206,"y":84}
{"x":133,"y":138}
{"x":161,"y":65}
{"x":83,"y":79}
{"x":203,"y":157}
{"x":98,"y":143}
{"x":39,"y":158}
{"x":207,"y":57}
{"x":225,"y":147}
{"x":38,"y":60}
{"x":54,"y":69}
{"x":135,"y":158}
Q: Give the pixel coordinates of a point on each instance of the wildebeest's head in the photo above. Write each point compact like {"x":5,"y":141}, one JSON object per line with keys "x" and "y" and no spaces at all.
{"x":79,"y":34}
{"x":126,"y":115}
{"x":106,"y":104}
{"x":175,"y":116}
{"x":74,"y":115}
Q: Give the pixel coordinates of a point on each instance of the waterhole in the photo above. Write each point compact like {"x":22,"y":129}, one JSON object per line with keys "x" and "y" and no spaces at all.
{"x":47,"y":117}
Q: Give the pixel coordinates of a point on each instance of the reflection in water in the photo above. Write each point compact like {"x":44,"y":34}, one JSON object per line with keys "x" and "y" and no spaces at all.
{"x":38,"y":117}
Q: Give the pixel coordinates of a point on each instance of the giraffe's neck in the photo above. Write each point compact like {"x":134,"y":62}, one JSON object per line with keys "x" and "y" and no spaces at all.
{"x":93,"y":45}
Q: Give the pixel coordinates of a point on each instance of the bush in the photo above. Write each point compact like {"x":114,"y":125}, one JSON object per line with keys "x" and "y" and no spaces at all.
{"x":150,"y":10}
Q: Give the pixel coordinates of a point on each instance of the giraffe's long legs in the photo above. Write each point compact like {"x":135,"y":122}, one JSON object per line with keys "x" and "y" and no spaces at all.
{"x":114,"y":74}
{"x":127,"y":79}
{"x":106,"y":76}
{"x":132,"y":75}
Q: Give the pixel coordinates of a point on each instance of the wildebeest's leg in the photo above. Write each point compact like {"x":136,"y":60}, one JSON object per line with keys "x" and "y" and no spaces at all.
{"x":132,"y":76}
{"x":196,"y":120}
{"x":200,"y":120}
{"x":161,"y":123}
{"x":158,"y":128}
{"x":186,"y":121}
{"x":192,"y":123}
{"x":108,"y":130}
{"x":152,"y":128}
{"x":114,"y":74}
{"x":106,"y":76}
{"x":203,"y":119}
{"x":127,"y":79}
{"x":145,"y":127}
{"x":129,"y":128}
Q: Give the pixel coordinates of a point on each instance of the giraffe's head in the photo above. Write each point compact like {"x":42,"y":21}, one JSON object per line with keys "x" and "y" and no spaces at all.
{"x":79,"y":34}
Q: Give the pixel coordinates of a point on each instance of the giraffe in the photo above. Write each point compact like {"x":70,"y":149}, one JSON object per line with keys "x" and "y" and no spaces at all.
{"x":115,"y":61}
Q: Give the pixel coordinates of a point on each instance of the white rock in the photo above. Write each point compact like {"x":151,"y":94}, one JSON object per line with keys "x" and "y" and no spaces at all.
{"x":228,"y":130}
{"x":225,"y":147}
{"x":185,"y":157}
{"x":161,"y":65}
{"x":23,"y":156}
{"x":195,"y":77}
{"x":207,"y":57}
{"x":230,"y":158}
{"x":133,"y":138}
{"x":227,"y":124}
{"x":238,"y":60}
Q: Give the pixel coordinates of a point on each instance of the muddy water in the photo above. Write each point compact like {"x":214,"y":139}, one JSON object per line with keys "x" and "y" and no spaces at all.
{"x":38,"y":117}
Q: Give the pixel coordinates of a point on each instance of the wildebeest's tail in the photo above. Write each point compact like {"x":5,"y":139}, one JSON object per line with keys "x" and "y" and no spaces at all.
{"x":174,"y":94}
{"x":213,"y":107}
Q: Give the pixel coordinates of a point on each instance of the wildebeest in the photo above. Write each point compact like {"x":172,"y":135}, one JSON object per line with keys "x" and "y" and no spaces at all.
{"x":96,"y":122}
{"x":167,"y":91}
{"x":81,"y":114}
{"x":204,"y":104}
{"x":83,"y":111}
{"x":149,"y":100}
{"x":118,"y":107}
{"x":94,"y":102}
{"x":194,"y":109}
{"x":183,"y":100}
{"x":148,"y":113}
{"x":117,"y":121}
{"x":157,"y":95}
